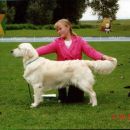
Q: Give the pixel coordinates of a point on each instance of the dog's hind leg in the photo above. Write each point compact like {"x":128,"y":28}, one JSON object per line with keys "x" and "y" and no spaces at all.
{"x":92,"y":95}
{"x":38,"y":91}
{"x":93,"y":99}
{"x":88,"y":89}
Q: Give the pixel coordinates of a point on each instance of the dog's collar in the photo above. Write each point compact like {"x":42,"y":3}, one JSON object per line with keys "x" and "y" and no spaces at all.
{"x":29,"y":62}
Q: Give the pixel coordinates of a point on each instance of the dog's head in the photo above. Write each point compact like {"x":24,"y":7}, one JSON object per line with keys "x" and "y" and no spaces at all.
{"x":24,"y":50}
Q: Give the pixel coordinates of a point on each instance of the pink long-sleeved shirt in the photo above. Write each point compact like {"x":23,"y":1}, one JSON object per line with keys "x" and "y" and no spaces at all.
{"x":75,"y":50}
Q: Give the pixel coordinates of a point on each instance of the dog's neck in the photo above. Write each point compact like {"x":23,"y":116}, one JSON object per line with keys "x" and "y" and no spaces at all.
{"x":27,"y":61}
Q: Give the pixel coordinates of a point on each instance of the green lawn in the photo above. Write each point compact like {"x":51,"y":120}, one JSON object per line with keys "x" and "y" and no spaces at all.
{"x":112,"y":97}
{"x":119,"y":28}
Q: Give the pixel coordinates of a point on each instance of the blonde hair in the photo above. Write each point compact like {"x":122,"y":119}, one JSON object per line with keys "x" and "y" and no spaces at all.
{"x":66,"y":22}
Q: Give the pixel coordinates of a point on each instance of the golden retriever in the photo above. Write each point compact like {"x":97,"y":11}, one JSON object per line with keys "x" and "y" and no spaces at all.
{"x":43,"y":74}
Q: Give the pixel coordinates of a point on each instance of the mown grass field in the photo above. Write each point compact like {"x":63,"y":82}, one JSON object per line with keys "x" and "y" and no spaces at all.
{"x":112,"y":112}
{"x":119,"y":28}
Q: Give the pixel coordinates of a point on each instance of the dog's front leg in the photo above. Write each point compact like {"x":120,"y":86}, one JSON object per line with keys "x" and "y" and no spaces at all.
{"x":38,"y":91}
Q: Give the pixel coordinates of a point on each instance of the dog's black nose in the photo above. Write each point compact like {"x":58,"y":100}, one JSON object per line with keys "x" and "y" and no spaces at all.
{"x":11,"y":51}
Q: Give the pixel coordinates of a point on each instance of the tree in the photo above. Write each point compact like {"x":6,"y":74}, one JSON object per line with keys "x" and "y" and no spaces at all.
{"x":70,"y":9}
{"x":10,"y":14}
{"x":21,"y":7}
{"x":3,"y":7}
{"x":40,"y":11}
{"x":16,"y":11}
{"x":45,"y":11}
{"x":104,"y":8}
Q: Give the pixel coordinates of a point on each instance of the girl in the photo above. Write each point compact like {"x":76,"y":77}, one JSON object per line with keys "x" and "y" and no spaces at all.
{"x":69,"y":46}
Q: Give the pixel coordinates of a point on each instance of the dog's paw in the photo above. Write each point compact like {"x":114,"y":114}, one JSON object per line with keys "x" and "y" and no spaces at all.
{"x":90,"y":102}
{"x":93,"y":105}
{"x":33,"y":105}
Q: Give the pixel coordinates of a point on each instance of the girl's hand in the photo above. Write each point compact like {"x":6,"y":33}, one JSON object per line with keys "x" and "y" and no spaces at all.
{"x":105,"y":57}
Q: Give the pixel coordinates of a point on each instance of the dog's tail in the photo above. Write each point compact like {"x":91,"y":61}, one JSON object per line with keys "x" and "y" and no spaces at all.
{"x":102,"y":66}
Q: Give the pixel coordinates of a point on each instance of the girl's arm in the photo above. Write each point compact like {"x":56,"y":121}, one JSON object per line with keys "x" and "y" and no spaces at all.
{"x":94,"y":54}
{"x":91,"y":52}
{"x":47,"y":49}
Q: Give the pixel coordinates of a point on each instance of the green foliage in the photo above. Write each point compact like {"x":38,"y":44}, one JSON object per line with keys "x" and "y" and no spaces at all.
{"x":10,"y":14}
{"x":82,"y":26}
{"x":3,"y":7}
{"x":70,"y":9}
{"x":76,"y":26}
{"x":105,"y":8}
{"x":40,"y":11}
{"x":49,"y":27}
{"x":49,"y":11}
{"x":22,"y":26}
{"x":16,"y":11}
{"x":85,"y":28}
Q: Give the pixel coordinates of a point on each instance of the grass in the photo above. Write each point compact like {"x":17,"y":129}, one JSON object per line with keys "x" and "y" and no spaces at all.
{"x":119,"y":28}
{"x":112,"y":97}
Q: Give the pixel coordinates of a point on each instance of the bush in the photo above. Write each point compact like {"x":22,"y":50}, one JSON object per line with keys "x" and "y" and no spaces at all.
{"x":76,"y":26}
{"x":49,"y":27}
{"x":86,"y":26}
{"x":22,"y":26}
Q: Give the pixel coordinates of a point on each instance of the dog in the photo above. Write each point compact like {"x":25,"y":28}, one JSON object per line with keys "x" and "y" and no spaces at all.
{"x":44,"y":74}
{"x":107,"y":28}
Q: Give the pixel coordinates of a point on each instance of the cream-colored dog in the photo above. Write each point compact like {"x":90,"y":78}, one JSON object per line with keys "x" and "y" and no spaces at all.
{"x":43,"y":74}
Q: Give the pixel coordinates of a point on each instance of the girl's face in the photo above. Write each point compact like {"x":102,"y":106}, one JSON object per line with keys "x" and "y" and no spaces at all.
{"x":62,"y":30}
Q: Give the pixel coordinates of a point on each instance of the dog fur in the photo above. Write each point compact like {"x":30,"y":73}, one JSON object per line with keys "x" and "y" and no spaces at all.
{"x":44,"y":74}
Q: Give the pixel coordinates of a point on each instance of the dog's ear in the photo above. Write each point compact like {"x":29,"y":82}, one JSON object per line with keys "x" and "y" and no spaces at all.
{"x":27,"y":50}
{"x":27,"y":53}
